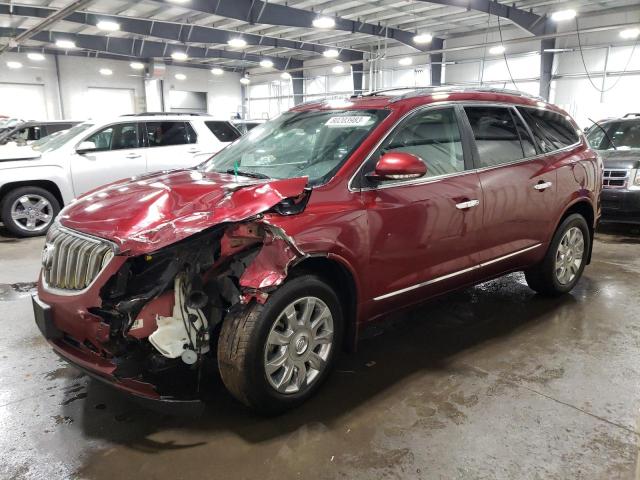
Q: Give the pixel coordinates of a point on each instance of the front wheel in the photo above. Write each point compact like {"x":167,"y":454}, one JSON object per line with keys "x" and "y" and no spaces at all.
{"x":565,"y":260}
{"x":29,"y":211}
{"x":273,"y":357}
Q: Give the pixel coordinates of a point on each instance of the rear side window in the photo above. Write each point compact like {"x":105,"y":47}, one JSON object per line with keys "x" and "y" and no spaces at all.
{"x":496,"y":135}
{"x":552,"y":130}
{"x":223,"y":131}
{"x":163,"y":134}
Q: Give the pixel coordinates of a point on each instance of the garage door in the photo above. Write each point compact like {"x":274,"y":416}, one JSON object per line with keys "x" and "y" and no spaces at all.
{"x":187,"y":102}
{"x":110,"y":102}
{"x":23,"y":101}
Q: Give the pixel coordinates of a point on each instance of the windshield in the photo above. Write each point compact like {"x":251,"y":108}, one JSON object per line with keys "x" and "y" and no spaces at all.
{"x":298,"y":144}
{"x":39,"y":144}
{"x":624,"y":134}
{"x":63,"y":138}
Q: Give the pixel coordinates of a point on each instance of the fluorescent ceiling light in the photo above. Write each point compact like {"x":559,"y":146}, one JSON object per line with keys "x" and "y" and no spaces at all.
{"x":180,"y":76}
{"x":65,"y":44}
{"x":563,"y":15}
{"x":179,"y":56}
{"x":35,"y":56}
{"x":217,"y":71}
{"x":266,"y":63}
{"x":331,"y":53}
{"x":108,"y":26}
{"x":324,"y":22}
{"x":137,"y":65}
{"x":14,"y":65}
{"x":405,"y":61}
{"x":497,"y":50}
{"x":422,"y":38}
{"x":630,"y":33}
{"x":338,"y":69}
{"x":237,"y":42}
{"x":106,"y":71}
{"x":557,"y":50}
{"x":285,"y":75}
{"x":245,"y":81}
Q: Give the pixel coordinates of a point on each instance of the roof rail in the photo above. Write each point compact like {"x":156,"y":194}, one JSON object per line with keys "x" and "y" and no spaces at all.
{"x":460,"y":89}
{"x":629,"y":115}
{"x":158,"y":114}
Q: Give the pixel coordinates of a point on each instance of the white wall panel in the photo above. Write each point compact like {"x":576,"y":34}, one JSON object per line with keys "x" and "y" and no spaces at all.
{"x":23,"y":101}
{"x":110,"y":102}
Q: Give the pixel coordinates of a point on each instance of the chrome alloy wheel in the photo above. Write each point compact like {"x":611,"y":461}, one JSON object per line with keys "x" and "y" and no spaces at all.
{"x":298,"y":345}
{"x":569,"y":256}
{"x":32,"y":212}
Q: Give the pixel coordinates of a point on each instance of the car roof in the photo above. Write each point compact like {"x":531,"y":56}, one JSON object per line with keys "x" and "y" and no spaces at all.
{"x":156,"y":117}
{"x":30,"y":123}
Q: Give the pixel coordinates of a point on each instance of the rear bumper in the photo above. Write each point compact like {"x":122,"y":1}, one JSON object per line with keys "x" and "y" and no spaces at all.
{"x":620,"y":206}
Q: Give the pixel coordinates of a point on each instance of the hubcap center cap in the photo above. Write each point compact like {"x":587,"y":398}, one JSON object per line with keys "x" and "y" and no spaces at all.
{"x":301,"y":344}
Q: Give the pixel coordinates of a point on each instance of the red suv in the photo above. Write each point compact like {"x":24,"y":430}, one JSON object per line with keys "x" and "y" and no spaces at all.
{"x":264,"y":261}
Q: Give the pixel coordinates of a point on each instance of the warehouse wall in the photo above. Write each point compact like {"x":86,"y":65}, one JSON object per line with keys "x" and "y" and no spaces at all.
{"x":83,"y":92}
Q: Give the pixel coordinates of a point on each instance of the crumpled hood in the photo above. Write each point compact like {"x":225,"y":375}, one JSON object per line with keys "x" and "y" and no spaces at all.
{"x":622,"y":159}
{"x":146,"y":213}
{"x":14,"y":152}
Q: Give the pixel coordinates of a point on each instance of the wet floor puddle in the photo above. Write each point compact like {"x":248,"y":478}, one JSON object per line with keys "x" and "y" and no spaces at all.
{"x":15,"y":291}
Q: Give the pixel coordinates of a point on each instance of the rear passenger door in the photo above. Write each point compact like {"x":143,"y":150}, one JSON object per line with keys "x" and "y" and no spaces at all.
{"x":171,"y":145}
{"x":518,"y":188}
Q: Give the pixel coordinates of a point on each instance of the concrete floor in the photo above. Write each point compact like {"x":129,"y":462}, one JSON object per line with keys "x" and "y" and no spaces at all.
{"x":493,"y":382}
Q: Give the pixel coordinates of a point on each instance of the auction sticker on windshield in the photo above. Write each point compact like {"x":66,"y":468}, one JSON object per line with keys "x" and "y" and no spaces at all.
{"x":351,"y":121}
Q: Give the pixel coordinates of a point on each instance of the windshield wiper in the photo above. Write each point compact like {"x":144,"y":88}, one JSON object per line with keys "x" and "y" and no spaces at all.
{"x":232,"y":171}
{"x":605,"y":133}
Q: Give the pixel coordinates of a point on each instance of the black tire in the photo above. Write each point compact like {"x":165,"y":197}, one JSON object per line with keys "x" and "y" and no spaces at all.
{"x":14,"y":226}
{"x":543,"y":278}
{"x":243,"y":338}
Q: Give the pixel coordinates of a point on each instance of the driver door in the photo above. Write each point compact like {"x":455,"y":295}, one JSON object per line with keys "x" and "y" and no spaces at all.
{"x":118,"y":154}
{"x":423,"y":232}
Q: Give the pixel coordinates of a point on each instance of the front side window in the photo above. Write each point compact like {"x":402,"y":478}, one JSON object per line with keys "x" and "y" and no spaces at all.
{"x":116,"y":137}
{"x":496,"y":135}
{"x":165,"y":134}
{"x":432,"y":135}
{"x":298,"y":144}
{"x":625,"y":135}
{"x":552,"y":130}
{"x":63,"y":138}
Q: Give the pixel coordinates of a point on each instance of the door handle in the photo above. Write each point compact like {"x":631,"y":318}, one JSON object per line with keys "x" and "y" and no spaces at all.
{"x":542,"y":185}
{"x":467,"y":204}
{"x":133,"y":155}
{"x":193,"y":150}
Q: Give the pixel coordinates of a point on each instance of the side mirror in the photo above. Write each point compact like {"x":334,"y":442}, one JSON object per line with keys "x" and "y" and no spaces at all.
{"x":85,"y":147}
{"x":398,"y":166}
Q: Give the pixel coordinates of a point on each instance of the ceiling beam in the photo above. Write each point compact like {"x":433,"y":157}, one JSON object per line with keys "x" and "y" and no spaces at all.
{"x":261,"y":12}
{"x":144,"y":49}
{"x":174,"y":31}
{"x":529,"y":21}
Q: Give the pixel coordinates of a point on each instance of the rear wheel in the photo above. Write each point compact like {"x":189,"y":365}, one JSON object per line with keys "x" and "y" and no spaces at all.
{"x":29,"y":211}
{"x":273,"y":357}
{"x":565,"y":260}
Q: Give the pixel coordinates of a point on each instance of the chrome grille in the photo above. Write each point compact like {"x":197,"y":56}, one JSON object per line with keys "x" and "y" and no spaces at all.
{"x":615,"y":178}
{"x":71,"y":261}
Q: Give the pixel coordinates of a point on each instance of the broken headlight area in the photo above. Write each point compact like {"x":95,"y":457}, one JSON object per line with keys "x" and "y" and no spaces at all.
{"x":162,"y":312}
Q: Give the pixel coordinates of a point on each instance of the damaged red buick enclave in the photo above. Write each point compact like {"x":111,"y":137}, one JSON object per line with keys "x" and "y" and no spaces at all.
{"x":265,"y":261}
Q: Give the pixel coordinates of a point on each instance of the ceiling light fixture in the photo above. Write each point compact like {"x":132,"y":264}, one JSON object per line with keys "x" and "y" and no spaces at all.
{"x":108,"y":26}
{"x":35,"y":56}
{"x":338,"y":69}
{"x":331,"y":53}
{"x":106,"y":71}
{"x":217,"y":71}
{"x":179,"y":56}
{"x":14,"y":65}
{"x":422,"y":38}
{"x":630,"y":33}
{"x":266,"y":63}
{"x":180,"y":76}
{"x":68,"y":44}
{"x":137,"y":65}
{"x":497,"y":50}
{"x":406,"y":61}
{"x":285,"y":75}
{"x":245,"y":81}
{"x":237,"y":42}
{"x":563,"y":15}
{"x":324,"y":22}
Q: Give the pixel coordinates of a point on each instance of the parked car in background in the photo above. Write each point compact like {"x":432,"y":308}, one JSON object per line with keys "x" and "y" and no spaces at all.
{"x":264,"y":261}
{"x":27,"y":132}
{"x":617,"y":141}
{"x":7,"y":123}
{"x":245,"y":125}
{"x":36,"y":182}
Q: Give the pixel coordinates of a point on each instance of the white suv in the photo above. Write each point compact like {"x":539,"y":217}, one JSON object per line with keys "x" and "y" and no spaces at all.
{"x":36,"y":182}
